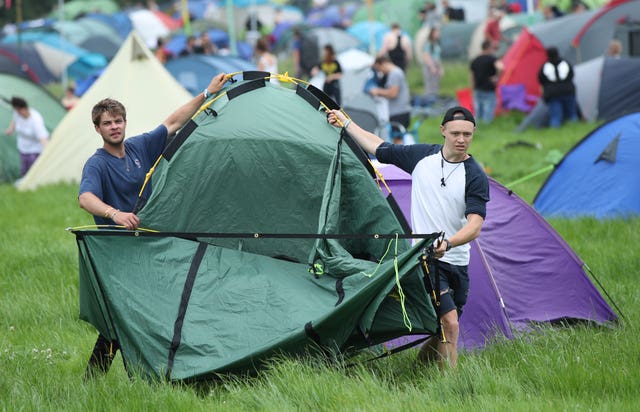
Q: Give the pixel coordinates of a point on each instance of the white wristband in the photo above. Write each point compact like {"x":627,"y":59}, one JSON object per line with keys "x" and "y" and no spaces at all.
{"x":205,"y":93}
{"x":346,"y":124}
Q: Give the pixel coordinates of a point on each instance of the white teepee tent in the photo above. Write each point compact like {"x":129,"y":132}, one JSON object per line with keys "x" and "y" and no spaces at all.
{"x":135,"y":78}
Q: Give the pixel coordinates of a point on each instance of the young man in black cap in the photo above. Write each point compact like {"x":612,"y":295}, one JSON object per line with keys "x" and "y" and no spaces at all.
{"x":449,"y":194}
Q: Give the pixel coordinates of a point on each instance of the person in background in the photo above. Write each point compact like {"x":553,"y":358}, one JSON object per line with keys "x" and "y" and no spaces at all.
{"x":265,"y":60}
{"x":113,"y":177}
{"x":332,"y":71}
{"x":452,"y":13}
{"x":32,"y":134}
{"x":69,"y":99}
{"x":162,"y":53}
{"x":296,"y":53}
{"x":558,"y":91}
{"x":485,"y":69}
{"x":614,"y":49}
{"x":449,"y":194}
{"x":189,"y":47}
{"x":432,"y":68}
{"x":492,"y":31}
{"x":204,"y":45}
{"x":397,"y":47}
{"x":429,"y":16}
{"x":551,"y":12}
{"x":396,"y":91}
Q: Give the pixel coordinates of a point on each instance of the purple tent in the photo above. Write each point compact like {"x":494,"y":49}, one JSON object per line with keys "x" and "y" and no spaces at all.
{"x":521,"y":270}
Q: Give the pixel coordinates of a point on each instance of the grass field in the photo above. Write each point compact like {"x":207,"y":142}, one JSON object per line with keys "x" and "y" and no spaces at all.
{"x":44,"y":346}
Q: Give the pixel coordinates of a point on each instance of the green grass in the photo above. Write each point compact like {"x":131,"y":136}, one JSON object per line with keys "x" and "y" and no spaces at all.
{"x":44,"y":346}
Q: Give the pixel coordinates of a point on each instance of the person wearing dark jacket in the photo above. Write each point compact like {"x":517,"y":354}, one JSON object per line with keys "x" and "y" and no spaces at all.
{"x":559,"y":92}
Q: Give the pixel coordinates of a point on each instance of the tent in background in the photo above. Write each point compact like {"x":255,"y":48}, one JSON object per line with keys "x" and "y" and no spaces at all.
{"x":521,"y":270}
{"x":75,"y":8}
{"x":388,"y":12}
{"x":37,"y":97}
{"x":149,"y":26}
{"x":599,"y":90}
{"x":24,"y":61}
{"x":369,"y":33}
{"x":594,"y":36}
{"x":59,"y":54}
{"x":194,"y":72}
{"x":119,"y":21}
{"x":135,"y":78}
{"x":599,"y":176}
{"x":579,"y":37}
{"x":90,"y":34}
{"x":523,"y":59}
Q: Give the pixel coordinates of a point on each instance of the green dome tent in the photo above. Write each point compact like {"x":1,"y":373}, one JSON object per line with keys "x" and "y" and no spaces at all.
{"x":267,"y":235}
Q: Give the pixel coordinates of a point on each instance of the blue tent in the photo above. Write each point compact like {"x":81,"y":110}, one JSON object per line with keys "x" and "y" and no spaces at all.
{"x":194,"y":72}
{"x":599,"y":176}
{"x":83,"y":62}
{"x":119,"y":21}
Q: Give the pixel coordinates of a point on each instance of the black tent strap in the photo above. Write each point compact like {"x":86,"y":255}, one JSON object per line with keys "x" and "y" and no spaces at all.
{"x":357,"y":150}
{"x":256,"y":235}
{"x":184,"y":303}
{"x":246,"y":87}
{"x":308,"y":97}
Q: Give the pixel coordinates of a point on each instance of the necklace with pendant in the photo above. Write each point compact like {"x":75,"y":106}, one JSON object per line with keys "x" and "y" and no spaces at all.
{"x":443,"y":180}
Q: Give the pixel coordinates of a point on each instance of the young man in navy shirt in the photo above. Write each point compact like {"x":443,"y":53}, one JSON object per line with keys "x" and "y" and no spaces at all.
{"x":115,"y":173}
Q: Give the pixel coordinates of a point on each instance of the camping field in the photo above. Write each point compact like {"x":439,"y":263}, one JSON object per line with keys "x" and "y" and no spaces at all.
{"x":44,"y":346}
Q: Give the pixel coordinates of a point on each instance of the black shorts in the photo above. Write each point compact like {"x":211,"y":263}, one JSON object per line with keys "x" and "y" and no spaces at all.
{"x":454,"y":284}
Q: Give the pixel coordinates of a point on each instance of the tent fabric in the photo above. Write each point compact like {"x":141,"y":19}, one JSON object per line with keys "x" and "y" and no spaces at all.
{"x":133,"y":78}
{"x":39,"y":98}
{"x":521,"y":271}
{"x":588,"y":183}
{"x":191,"y":305}
{"x":194,"y":72}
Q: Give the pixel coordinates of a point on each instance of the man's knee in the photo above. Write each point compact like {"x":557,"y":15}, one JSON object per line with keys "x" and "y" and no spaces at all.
{"x":450,"y":321}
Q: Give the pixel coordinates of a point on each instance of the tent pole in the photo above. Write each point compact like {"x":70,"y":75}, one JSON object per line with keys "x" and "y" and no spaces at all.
{"x":186,"y":18}
{"x":232,"y":28}
{"x":530,"y":175}
{"x":63,"y":78}
{"x":372,"y":38}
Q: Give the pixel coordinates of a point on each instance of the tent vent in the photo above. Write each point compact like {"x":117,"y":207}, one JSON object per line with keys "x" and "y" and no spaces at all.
{"x":138,"y":52}
{"x":610,"y":152}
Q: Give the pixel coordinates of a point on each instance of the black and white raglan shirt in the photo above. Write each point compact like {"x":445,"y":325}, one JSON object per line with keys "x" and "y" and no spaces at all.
{"x":438,"y":207}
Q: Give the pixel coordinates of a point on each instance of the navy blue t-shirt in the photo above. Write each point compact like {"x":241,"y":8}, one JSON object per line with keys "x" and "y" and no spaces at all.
{"x":117,"y":181}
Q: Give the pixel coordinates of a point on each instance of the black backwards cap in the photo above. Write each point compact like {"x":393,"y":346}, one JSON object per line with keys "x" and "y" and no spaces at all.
{"x":458,"y":113}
